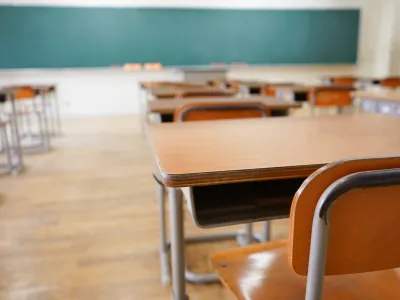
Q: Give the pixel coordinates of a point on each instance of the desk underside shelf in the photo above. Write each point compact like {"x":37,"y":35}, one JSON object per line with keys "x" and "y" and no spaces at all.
{"x":238,"y":203}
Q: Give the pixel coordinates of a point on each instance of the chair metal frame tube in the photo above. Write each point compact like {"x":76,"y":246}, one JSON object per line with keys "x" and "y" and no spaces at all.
{"x":320,"y":228}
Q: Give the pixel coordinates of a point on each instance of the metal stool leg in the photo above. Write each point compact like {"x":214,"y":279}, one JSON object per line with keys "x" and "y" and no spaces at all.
{"x":164,"y":245}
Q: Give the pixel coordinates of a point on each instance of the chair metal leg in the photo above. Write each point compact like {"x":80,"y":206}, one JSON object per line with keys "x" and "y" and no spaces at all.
{"x":45,"y":121}
{"x":164,"y":245}
{"x":57,"y":113}
{"x":28,"y":124}
{"x":266,"y":233}
{"x":248,"y":234}
{"x":51,"y":117}
{"x":200,"y":278}
{"x":177,"y":245}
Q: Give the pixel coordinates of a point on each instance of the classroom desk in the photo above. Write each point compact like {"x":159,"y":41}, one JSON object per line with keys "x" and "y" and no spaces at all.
{"x":241,"y":171}
{"x":382,"y":102}
{"x":280,"y":107}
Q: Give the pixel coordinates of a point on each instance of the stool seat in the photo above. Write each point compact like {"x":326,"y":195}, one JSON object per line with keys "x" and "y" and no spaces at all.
{"x":262,"y":272}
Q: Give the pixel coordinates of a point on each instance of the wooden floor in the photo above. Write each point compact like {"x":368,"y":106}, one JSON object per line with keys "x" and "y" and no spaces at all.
{"x":81,"y":222}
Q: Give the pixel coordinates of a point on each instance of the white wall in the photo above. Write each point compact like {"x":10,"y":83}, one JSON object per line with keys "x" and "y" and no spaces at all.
{"x":84,"y":92}
{"x":89,"y":92}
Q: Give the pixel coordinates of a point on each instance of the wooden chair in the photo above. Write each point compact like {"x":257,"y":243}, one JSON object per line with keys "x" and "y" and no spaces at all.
{"x":202,"y":112}
{"x":345,"y":218}
{"x":220,"y":111}
{"x":391,"y":82}
{"x":344,"y":80}
{"x":325,"y":96}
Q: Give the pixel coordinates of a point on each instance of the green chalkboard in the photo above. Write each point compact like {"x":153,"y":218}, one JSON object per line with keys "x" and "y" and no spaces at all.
{"x":54,"y":37}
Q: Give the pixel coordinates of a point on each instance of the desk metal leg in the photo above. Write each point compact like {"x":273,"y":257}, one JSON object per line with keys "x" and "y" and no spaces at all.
{"x":46,"y":131}
{"x":16,"y":142}
{"x":177,"y":245}
{"x":57,"y":112}
{"x":164,"y":245}
{"x":143,"y":116}
{"x":51,"y":115}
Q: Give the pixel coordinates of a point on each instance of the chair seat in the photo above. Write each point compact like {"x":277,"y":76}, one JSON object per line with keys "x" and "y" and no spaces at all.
{"x":262,"y":272}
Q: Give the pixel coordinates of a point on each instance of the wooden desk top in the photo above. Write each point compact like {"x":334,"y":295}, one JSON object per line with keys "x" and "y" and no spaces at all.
{"x":170,"y":105}
{"x":384,"y":95}
{"x":203,"y":153}
{"x":175,"y":91}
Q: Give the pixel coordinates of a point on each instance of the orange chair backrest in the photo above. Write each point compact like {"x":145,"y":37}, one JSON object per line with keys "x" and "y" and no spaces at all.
{"x":364,"y":223}
{"x":391,"y":82}
{"x":346,"y":81}
{"x":331,"y":96}
{"x":25,"y":92}
{"x":220,"y":111}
